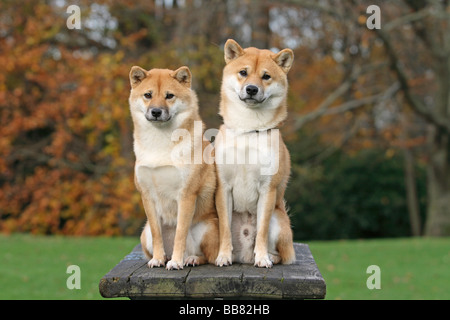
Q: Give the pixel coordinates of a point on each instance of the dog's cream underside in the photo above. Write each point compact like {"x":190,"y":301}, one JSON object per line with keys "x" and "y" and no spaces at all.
{"x":164,"y":185}
{"x":246,"y":190}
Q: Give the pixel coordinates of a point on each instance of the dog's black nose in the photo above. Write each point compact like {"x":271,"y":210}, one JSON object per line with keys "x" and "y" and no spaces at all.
{"x":251,"y":89}
{"x":156,"y":112}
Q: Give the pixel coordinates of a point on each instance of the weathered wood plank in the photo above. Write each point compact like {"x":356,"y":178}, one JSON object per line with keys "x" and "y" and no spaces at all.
{"x":209,"y":281}
{"x":157,"y":283}
{"x":261,"y":282}
{"x":132,"y":278}
{"x":116,"y":282}
{"x":303,"y":279}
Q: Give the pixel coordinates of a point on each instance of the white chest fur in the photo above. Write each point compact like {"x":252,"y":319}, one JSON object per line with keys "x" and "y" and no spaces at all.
{"x":246,"y":163}
{"x":162,"y":184}
{"x":158,"y":175}
{"x":153,"y":147}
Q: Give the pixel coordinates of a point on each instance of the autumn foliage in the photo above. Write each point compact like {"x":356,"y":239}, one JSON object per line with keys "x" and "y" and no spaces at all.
{"x":66,"y":158}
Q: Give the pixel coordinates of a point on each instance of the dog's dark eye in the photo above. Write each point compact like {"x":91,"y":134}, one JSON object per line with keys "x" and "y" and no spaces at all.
{"x":266,"y":76}
{"x":148,"y":95}
{"x":169,"y":96}
{"x":243,"y":73}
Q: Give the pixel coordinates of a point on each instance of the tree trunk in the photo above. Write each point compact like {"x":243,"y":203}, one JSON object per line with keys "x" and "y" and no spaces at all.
{"x":410,"y":181}
{"x":438,"y":211}
{"x":259,"y":20}
{"x":411,"y":193}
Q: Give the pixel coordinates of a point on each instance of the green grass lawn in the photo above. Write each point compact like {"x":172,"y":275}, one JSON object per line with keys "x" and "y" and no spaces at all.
{"x":34,"y":267}
{"x":410,"y":268}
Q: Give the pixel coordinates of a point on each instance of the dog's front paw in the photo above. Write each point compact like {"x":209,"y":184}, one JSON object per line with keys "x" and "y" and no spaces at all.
{"x":155,"y":263}
{"x":223,"y":260}
{"x":172,"y":264}
{"x":263,"y":262}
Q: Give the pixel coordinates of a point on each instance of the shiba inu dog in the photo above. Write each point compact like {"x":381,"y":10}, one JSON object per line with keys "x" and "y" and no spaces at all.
{"x":178,"y":196}
{"x":254,"y":225}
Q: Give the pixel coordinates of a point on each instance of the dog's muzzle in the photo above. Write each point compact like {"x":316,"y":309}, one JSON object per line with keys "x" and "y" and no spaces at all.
{"x":252,"y":94}
{"x":157,"y":114}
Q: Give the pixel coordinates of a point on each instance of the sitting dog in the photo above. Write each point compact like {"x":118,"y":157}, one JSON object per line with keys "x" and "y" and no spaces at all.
{"x":177,"y":193}
{"x":254,"y":225}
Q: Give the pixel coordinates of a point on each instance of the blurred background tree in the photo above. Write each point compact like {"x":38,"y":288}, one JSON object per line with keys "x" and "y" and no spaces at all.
{"x":369,"y":109}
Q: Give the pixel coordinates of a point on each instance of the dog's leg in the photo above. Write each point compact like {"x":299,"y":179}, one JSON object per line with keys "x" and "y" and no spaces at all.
{"x":186,"y":207}
{"x":159,"y":255}
{"x":266,"y":205}
{"x":224,"y":207}
{"x":285,"y":244}
{"x":146,"y":241}
{"x":202,"y":243}
{"x":281,"y":247}
{"x":209,"y":244}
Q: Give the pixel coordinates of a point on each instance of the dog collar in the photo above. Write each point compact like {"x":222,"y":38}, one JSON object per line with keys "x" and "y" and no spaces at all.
{"x":243,"y":131}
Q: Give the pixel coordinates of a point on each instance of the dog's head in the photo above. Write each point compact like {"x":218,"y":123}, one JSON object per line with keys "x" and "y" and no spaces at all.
{"x":257,"y":78}
{"x":159,"y":95}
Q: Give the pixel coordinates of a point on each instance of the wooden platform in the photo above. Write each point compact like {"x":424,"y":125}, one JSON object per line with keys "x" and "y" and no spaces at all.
{"x":132,"y":278}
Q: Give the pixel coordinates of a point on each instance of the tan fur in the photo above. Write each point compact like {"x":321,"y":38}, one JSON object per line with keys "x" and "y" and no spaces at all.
{"x":245,"y":198}
{"x":178,"y":196}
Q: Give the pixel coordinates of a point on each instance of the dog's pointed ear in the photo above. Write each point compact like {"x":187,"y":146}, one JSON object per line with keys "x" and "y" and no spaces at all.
{"x":183,"y":75}
{"x":137,"y":74}
{"x":232,"y":50}
{"x":284,"y":59}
